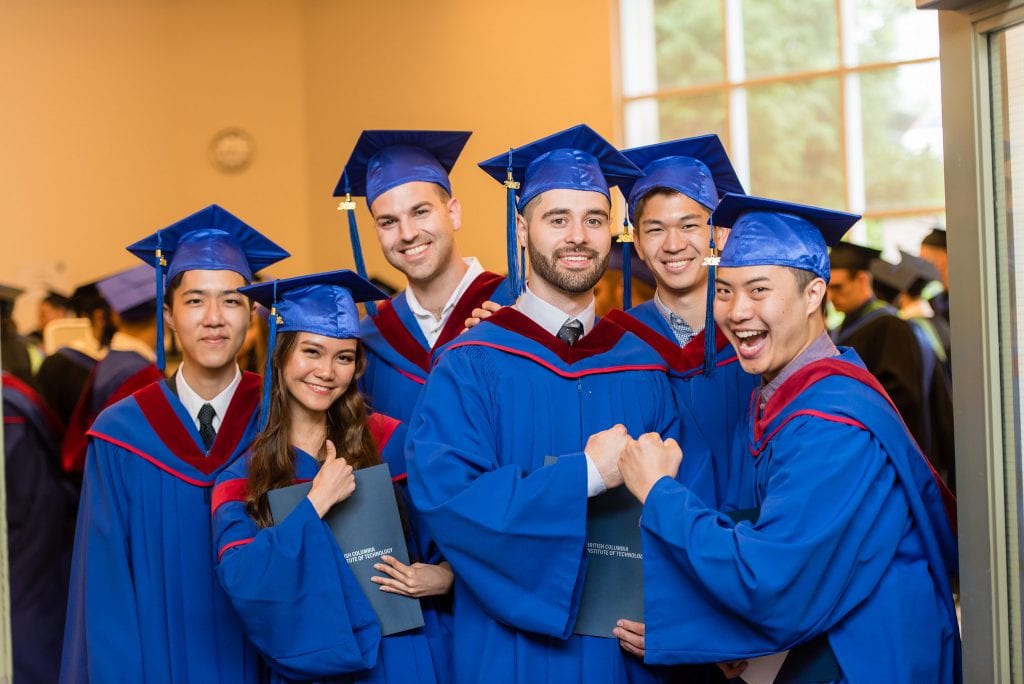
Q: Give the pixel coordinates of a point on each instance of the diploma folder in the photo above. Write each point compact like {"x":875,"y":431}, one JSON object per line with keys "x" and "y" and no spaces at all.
{"x":613,"y":588}
{"x":366,"y":526}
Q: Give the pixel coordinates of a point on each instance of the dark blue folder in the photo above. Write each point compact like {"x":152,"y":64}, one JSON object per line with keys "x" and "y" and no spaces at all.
{"x":366,"y":526}
{"x":613,"y":588}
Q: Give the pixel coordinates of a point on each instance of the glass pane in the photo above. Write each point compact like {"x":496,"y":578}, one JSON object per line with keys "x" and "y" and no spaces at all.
{"x":649,"y":120}
{"x":1006,"y":65}
{"x":688,"y":115}
{"x":784,"y":36}
{"x":891,"y":30}
{"x":901,"y":115}
{"x":893,"y":234}
{"x":795,"y":142}
{"x":690,"y":44}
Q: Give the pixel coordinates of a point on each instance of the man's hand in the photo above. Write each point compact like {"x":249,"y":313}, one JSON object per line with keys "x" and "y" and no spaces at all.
{"x":631,"y":636}
{"x":646,"y":460}
{"x":733,"y":669}
{"x":416,"y":580}
{"x":481,"y":313}
{"x":604,"y":449}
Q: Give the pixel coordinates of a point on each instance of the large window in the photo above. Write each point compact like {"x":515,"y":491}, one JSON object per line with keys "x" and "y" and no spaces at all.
{"x":827,"y":102}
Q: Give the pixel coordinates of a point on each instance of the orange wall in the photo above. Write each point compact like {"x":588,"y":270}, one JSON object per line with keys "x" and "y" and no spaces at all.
{"x":510,"y":72}
{"x":109,"y":107}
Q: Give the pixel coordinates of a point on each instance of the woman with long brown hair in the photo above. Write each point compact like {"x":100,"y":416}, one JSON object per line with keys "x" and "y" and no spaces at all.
{"x":300,"y":605}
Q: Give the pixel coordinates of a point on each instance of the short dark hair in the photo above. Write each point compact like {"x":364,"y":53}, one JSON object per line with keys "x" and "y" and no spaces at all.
{"x":172,"y":285}
{"x":803,"y":279}
{"x":658,"y":191}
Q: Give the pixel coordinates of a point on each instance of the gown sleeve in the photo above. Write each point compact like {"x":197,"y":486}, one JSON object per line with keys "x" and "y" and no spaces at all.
{"x":515,"y":539}
{"x":828,"y":528}
{"x":102,"y":641}
{"x":299,"y":603}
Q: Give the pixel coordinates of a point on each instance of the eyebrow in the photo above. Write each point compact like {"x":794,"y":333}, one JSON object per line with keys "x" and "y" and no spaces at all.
{"x":200,"y":291}
{"x":747,"y":283}
{"x":681,"y":219}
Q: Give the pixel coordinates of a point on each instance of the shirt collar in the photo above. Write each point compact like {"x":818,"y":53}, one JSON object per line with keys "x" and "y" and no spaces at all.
{"x":474,"y":269}
{"x":549,"y":316}
{"x":820,"y":348}
{"x":680,"y":328}
{"x":193,"y":402}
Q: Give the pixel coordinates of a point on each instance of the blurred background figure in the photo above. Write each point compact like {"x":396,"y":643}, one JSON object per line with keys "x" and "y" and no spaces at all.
{"x":13,"y":348}
{"x":61,"y":376}
{"x":903,"y":285}
{"x":52,"y":307}
{"x":129,"y":363}
{"x":890,"y":350}
{"x":39,"y":508}
{"x":933,"y":250}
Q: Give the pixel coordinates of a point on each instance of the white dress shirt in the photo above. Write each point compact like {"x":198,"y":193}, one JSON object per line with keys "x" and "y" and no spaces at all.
{"x":429,"y":324}
{"x":193,"y":402}
{"x":549,"y":316}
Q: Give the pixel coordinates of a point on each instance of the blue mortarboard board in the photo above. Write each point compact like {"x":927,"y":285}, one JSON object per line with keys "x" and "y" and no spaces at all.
{"x":320,"y":303}
{"x":768,"y":232}
{"x":382,"y":160}
{"x":853,"y":257}
{"x":130,"y":288}
{"x":909,"y":273}
{"x":696,"y":167}
{"x":212,"y":239}
{"x":574,"y":159}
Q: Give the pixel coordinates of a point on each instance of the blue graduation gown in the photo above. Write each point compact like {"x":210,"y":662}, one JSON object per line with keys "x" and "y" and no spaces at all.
{"x":719,"y":401}
{"x":114,"y":377}
{"x":299,"y":601}
{"x":499,"y":400}
{"x":39,"y":510}
{"x":397,"y":353}
{"x":145,"y":603}
{"x":852,"y":542}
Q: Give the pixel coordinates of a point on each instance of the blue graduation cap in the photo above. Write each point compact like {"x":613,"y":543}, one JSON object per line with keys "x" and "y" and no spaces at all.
{"x":699,"y":168}
{"x":382,"y":160}
{"x":696,"y":167}
{"x":212,"y":239}
{"x":574,"y":159}
{"x":128,"y":289}
{"x":320,"y":303}
{"x":768,"y":232}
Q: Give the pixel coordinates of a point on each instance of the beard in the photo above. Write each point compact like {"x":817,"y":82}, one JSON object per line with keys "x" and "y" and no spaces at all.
{"x":572,"y":282}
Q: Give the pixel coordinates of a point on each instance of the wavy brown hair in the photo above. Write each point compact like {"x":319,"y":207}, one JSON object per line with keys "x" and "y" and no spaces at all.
{"x":272,"y":463}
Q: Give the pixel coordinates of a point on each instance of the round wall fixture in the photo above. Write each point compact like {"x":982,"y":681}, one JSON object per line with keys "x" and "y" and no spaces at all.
{"x":232,"y":149}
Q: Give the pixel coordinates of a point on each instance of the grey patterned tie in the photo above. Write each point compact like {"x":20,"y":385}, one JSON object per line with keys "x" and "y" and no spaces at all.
{"x":570,"y":332}
{"x":206,"y":431}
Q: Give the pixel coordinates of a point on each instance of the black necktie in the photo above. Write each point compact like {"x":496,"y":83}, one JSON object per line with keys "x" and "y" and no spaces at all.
{"x":570,"y":332}
{"x":206,"y":431}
